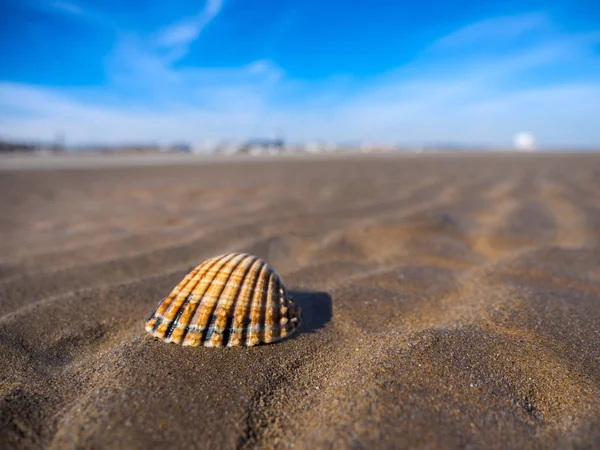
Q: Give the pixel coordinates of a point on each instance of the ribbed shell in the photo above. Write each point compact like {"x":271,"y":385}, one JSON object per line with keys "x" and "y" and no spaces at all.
{"x":232,"y":299}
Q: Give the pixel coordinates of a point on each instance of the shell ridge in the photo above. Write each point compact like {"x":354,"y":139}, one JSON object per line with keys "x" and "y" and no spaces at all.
{"x":271,"y":311}
{"x":199,"y":294}
{"x":276,"y":315}
{"x":259,"y":319}
{"x":243,"y":305}
{"x":282,"y":314}
{"x":167,"y":306}
{"x":228,"y":300}
{"x":203,"y":287}
{"x":254,"y":301}
{"x":237,"y":299}
{"x":164,"y":304}
{"x":207,"y":283}
{"x":163,"y":319}
{"x":196,"y":280}
{"x":213,"y":306}
{"x":266,"y":312}
{"x":157,"y":323}
{"x":285,"y":320}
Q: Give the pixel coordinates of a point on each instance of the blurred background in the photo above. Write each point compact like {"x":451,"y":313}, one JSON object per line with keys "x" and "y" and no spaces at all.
{"x":273,"y":76}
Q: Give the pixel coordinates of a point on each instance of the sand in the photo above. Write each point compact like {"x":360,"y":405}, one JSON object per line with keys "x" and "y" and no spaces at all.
{"x":450,"y":301}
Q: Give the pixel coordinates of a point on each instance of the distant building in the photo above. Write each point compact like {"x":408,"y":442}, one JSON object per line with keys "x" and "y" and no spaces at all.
{"x":59,"y":142}
{"x":321,"y":147}
{"x":262,"y":146}
{"x":182,"y":147}
{"x":377,"y":147}
{"x":17,"y":147}
{"x":206,"y":147}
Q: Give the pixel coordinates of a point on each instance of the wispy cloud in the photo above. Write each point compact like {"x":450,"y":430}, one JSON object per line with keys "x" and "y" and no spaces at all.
{"x":504,"y":29}
{"x":179,"y":35}
{"x":91,"y":16}
{"x":68,"y":7}
{"x":456,"y":97}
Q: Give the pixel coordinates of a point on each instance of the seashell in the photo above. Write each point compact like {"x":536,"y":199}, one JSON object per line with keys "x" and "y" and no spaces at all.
{"x":229,"y":300}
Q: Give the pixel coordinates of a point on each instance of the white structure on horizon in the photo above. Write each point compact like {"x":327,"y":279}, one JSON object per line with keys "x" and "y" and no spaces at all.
{"x":524,"y":141}
{"x":204,"y":147}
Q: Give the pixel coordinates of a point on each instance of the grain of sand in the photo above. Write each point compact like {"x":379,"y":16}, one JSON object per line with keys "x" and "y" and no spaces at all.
{"x":449,"y":302}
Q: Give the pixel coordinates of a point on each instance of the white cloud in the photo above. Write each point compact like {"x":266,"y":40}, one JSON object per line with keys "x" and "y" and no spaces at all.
{"x":505,"y":28}
{"x":48,"y":113}
{"x":465,"y":99}
{"x":179,"y":35}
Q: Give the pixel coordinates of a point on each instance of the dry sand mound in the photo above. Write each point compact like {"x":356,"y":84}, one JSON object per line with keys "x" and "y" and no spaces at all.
{"x":448,"y":302}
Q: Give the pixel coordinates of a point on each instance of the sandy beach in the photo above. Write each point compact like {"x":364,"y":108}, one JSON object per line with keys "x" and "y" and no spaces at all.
{"x":449,"y":301}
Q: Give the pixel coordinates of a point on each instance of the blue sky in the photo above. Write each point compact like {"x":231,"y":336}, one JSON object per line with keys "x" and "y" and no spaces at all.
{"x":468,"y":72}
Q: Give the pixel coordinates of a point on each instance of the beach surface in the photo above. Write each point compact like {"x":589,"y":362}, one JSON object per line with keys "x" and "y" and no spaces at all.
{"x":449,"y":301}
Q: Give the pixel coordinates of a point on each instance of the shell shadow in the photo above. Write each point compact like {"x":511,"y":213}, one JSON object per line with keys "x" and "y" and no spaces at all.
{"x":316,"y":309}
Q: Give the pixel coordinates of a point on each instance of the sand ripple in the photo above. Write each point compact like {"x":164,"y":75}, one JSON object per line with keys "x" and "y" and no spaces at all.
{"x":449,"y":302}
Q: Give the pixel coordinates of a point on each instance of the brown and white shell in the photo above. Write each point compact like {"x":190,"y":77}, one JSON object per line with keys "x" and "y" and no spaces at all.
{"x":229,"y":300}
